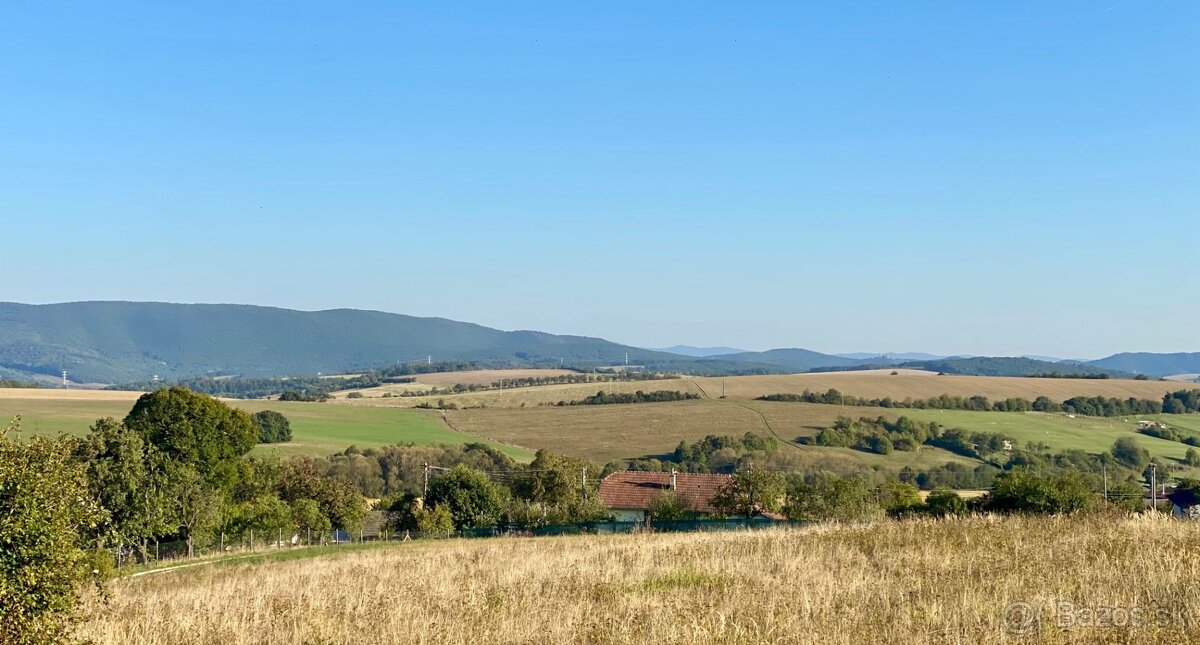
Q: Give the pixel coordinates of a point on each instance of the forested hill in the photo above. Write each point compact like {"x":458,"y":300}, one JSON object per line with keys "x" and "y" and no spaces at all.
{"x":117,"y":342}
{"x":1012,"y":366}
{"x":1152,"y":364}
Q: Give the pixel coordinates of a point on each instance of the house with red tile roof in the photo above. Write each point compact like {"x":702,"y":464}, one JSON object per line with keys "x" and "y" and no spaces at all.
{"x":629,"y":494}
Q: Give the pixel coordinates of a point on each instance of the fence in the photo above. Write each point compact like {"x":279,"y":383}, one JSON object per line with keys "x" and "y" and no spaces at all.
{"x":278,"y":540}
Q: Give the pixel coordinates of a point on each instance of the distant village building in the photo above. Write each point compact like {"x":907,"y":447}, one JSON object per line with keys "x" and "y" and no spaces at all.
{"x":629,"y":494}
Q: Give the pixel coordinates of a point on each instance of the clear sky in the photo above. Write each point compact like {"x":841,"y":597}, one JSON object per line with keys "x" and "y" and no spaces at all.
{"x":957,"y":177}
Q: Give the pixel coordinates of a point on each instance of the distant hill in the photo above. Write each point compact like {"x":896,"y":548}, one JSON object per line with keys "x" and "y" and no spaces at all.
{"x":698,"y":352}
{"x":1151,"y":364}
{"x":1010,"y":366}
{"x":798,"y":360}
{"x":900,"y":356}
{"x":117,"y":342}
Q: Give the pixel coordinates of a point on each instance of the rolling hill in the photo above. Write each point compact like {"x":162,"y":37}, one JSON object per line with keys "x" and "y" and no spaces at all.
{"x":1151,"y":364}
{"x":114,"y":342}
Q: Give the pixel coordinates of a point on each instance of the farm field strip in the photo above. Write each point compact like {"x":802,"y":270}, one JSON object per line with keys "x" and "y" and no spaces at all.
{"x":518,"y":396}
{"x":317,"y":428}
{"x":921,"y":385}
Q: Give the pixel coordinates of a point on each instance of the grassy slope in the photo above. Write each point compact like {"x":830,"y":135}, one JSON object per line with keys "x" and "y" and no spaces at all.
{"x":888,"y":582}
{"x":317,"y":428}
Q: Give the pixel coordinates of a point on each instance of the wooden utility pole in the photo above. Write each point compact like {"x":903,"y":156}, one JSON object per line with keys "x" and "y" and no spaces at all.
{"x":425,"y":486}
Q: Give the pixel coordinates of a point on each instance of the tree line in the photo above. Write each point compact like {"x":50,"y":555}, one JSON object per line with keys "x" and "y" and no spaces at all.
{"x":617,"y":398}
{"x":1179,"y":402}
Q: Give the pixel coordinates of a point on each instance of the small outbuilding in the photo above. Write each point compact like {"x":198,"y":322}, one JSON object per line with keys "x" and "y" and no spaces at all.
{"x":629,"y":494}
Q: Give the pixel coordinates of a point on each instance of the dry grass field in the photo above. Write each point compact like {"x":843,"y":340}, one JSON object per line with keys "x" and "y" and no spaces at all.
{"x":920,"y":384}
{"x":605,"y":432}
{"x":867,"y":384}
{"x":976,"y":580}
{"x":516,"y":397}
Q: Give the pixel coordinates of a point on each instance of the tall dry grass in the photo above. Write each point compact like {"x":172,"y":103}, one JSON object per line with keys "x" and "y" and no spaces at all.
{"x":893,"y":582}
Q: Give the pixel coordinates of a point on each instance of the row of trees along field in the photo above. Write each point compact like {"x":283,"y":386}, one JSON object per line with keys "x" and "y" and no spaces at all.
{"x":754,"y":491}
{"x":318,"y":388}
{"x":1124,"y":463}
{"x":1179,"y":402}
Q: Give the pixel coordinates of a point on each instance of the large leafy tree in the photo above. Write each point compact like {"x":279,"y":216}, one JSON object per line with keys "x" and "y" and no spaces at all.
{"x":751,"y":492}
{"x":45,"y":514}
{"x":125,"y":476}
{"x":194,"y":429}
{"x":472,"y":499}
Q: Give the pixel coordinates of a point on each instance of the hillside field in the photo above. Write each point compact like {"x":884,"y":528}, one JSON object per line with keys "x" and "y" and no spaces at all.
{"x":507,"y":398}
{"x":606,"y":432}
{"x":916,"y":384}
{"x":919,"y":384}
{"x":317,"y":428}
{"x":973,"y":580}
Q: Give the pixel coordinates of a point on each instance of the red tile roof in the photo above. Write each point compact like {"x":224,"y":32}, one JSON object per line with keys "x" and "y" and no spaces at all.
{"x":631,"y":490}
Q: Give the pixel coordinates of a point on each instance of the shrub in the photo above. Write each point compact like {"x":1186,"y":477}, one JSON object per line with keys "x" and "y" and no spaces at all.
{"x":45,"y":512}
{"x":1023,"y":490}
{"x":272,"y":426}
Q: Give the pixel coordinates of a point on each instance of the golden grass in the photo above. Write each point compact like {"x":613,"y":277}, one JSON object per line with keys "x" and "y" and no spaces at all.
{"x":892,"y":582}
{"x":920,"y":385}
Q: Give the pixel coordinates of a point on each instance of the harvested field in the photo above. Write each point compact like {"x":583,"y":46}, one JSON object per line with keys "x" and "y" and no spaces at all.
{"x":920,"y":385}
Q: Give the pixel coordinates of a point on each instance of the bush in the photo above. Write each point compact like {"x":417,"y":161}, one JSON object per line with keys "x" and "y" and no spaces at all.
{"x":354,"y":395}
{"x":45,"y":514}
{"x":945,"y":503}
{"x":841,"y":499}
{"x":272,"y":426}
{"x":1023,"y":490}
{"x":472,"y":499}
{"x":668,"y":506}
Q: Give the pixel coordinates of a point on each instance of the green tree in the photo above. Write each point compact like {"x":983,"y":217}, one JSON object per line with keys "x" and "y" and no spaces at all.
{"x":194,"y":429}
{"x":196,"y":507}
{"x":125,"y":477}
{"x":472,"y":499}
{"x":435,"y":521}
{"x":751,"y":492}
{"x":1191,"y":458}
{"x":1024,"y":490}
{"x":307,"y":517}
{"x":1128,"y":453}
{"x":897,"y":498}
{"x":272,"y":427}
{"x":848,"y":499}
{"x":669,"y":506}
{"x":944,"y":503}
{"x":45,"y":514}
{"x":339,"y":501}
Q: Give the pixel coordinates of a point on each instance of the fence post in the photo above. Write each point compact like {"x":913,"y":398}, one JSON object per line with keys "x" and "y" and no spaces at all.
{"x":252,"y":540}
{"x":308,"y":542}
{"x":279,"y":544}
{"x":222,"y":541}
{"x":157,"y":557}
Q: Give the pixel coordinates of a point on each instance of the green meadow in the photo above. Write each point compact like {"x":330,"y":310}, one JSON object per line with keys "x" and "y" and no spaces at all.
{"x":317,"y":428}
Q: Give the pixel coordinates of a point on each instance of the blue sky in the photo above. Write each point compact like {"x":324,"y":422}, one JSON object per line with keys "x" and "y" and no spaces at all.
{"x":998,"y":178}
